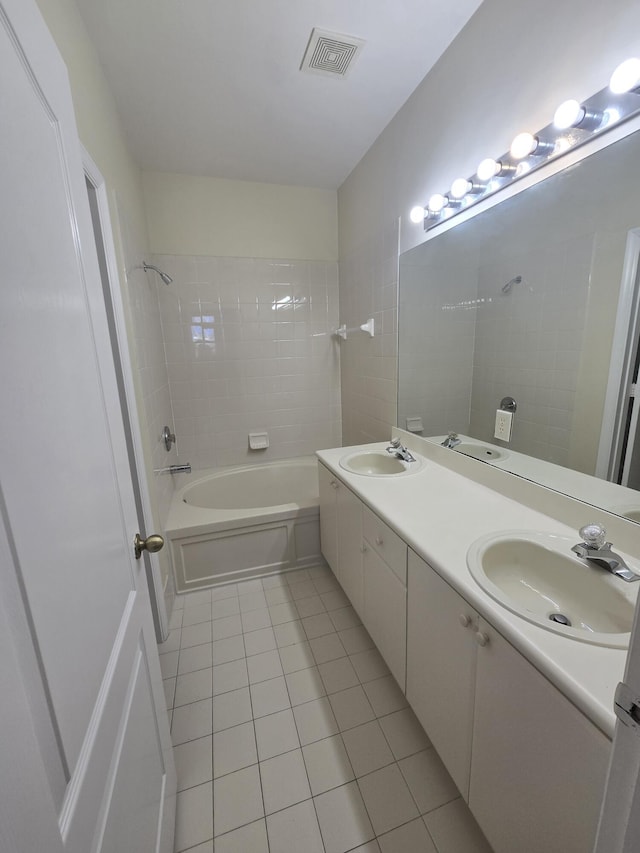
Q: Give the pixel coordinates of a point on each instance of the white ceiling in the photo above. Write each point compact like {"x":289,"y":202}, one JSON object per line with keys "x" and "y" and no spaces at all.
{"x":213,"y":87}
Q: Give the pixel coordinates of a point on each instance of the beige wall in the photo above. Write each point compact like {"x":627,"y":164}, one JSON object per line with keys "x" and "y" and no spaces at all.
{"x":195,"y":215}
{"x":506,"y":72}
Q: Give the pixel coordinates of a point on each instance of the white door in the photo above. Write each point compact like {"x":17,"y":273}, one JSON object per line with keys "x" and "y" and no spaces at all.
{"x":74,"y":596}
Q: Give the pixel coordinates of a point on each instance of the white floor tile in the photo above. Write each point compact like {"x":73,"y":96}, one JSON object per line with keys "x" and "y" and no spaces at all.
{"x":410,"y":838}
{"x":454,"y":830}
{"x":193,"y":762}
{"x":238,"y":799}
{"x":196,"y":635}
{"x":256,"y":642}
{"x":192,"y":721}
{"x":294,"y":830}
{"x":278,"y":595}
{"x":230,"y":676}
{"x":428,"y":780}
{"x":190,"y":600}
{"x":175,"y":622}
{"x":385,"y":695}
{"x":248,"y":839}
{"x":229,"y":626}
{"x":194,"y":817}
{"x":387,"y":798}
{"x":231,"y":709}
{"x":369,"y":665}
{"x":224,"y":607}
{"x":289,"y":633}
{"x":345,"y":617}
{"x":281,"y":613}
{"x":273,"y":582}
{"x":325,"y":584}
{"x":193,"y":686}
{"x":356,"y":639}
{"x":338,"y":675}
{"x":335,"y":600}
{"x":343,"y":819}
{"x":317,"y":626}
{"x":251,"y":586}
{"x":172,"y":643}
{"x":368,"y":748}
{"x":351,"y":708}
{"x":305,"y":589}
{"x":327,"y":648}
{"x":309,"y":606}
{"x":169,"y":664}
{"x":207,"y":847}
{"x":276,"y":734}
{"x":178,"y":601}
{"x":229,"y":590}
{"x":194,"y":658}
{"x":224,"y":651}
{"x":298,"y":656}
{"x":264,"y":666}
{"x":284,"y":781}
{"x":372,"y":847}
{"x":323,"y":571}
{"x":269,"y":697}
{"x":315,"y":720}
{"x":169,"y":685}
{"x":304,"y":685}
{"x":327,"y":764}
{"x":193,"y":615}
{"x":255,"y":620}
{"x":297,"y":577}
{"x":404,"y":733}
{"x":252,"y":601}
{"x":234,"y":749}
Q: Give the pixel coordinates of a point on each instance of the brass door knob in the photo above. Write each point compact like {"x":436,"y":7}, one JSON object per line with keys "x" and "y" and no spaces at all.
{"x":151,"y":544}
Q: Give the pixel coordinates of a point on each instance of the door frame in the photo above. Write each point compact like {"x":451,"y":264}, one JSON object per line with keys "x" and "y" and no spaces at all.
{"x":122,"y":360}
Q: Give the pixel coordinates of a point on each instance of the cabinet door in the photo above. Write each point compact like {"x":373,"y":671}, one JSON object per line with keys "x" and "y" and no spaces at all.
{"x":328,"y":517}
{"x":441,"y":653}
{"x":349,"y":509}
{"x":538,"y":766}
{"x":385,"y":613}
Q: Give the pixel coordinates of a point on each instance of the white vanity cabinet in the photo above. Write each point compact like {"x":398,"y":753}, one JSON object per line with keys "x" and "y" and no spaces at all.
{"x":441,"y":656}
{"x":385,"y":592}
{"x":328,"y":516}
{"x":531,"y":766}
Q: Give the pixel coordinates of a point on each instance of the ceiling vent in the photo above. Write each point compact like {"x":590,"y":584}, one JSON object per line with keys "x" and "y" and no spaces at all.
{"x":331,"y":54}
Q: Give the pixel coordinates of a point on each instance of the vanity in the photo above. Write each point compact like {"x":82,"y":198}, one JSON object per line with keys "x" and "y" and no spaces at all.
{"x":519,"y":707}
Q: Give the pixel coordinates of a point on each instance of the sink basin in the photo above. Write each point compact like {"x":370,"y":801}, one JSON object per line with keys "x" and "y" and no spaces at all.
{"x":378,"y":463}
{"x":481,"y":451}
{"x":536,"y":576}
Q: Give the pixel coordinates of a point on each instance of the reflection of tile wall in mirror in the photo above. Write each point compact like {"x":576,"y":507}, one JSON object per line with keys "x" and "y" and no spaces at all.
{"x":464,"y":342}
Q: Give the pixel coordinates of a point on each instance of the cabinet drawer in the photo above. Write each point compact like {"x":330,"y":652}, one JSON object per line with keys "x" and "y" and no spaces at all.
{"x":385,"y":543}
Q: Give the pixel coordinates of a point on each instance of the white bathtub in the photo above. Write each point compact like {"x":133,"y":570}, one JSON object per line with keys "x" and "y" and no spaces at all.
{"x":236,"y":523}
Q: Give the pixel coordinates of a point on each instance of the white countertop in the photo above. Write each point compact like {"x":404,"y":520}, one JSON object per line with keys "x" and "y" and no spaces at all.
{"x":439,"y":514}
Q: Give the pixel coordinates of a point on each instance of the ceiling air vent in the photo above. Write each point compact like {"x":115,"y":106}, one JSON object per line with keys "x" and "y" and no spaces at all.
{"x":331,"y":54}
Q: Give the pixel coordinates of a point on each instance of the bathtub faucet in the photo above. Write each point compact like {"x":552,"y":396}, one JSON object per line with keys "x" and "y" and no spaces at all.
{"x":174,"y":469}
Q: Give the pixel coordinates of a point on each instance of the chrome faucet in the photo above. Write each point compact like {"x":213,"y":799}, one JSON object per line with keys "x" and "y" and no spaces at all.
{"x":399,"y":451}
{"x":174,"y":469}
{"x":596,"y":550}
{"x":451,"y":440}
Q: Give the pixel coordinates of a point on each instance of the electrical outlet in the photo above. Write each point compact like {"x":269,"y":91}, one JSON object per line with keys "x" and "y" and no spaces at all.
{"x":503,"y":425}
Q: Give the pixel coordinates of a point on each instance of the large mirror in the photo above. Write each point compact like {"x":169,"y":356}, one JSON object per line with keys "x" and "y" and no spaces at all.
{"x":521,"y":301}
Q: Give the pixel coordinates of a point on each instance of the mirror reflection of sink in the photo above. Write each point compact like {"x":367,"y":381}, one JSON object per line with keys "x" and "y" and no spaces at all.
{"x":536,"y":576}
{"x":378,"y":463}
{"x":481,"y":451}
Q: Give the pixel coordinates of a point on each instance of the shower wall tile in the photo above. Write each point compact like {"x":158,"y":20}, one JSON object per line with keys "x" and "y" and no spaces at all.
{"x":369,"y":288}
{"x":248,"y":347}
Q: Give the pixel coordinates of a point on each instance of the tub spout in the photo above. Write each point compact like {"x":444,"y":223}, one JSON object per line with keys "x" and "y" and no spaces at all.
{"x":174,"y":469}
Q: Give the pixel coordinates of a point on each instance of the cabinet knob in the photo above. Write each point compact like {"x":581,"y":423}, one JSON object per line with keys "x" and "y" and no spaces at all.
{"x":379,"y":540}
{"x":334,"y":484}
{"x":482,"y":639}
{"x":464,"y":620}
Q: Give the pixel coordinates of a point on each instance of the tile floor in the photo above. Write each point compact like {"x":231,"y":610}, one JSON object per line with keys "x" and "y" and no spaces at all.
{"x":291,"y":735}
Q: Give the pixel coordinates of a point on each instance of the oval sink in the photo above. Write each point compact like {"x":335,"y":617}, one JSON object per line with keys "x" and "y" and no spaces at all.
{"x":481,"y":451}
{"x":378,"y":463}
{"x":536,"y":576}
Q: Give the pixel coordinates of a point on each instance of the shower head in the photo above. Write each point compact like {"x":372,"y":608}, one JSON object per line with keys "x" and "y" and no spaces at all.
{"x":163,"y":275}
{"x":507,"y":287}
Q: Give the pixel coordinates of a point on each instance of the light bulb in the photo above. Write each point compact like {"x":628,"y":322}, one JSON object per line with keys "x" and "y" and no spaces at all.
{"x":460,"y":187}
{"x":522,"y":169}
{"x":417,"y":214}
{"x":488,"y":169}
{"x":437,"y":202}
{"x":626,"y":77}
{"x":569,"y":114}
{"x":523,"y":145}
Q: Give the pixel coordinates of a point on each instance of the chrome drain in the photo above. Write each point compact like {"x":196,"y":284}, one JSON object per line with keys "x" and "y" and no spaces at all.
{"x":560,"y":618}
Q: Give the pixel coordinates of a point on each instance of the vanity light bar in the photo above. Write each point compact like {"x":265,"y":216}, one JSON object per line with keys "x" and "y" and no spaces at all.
{"x":574,"y":123}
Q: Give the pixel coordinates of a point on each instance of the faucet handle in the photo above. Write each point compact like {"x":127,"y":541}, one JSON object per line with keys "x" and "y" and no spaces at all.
{"x":395,"y":442}
{"x":593,"y":535}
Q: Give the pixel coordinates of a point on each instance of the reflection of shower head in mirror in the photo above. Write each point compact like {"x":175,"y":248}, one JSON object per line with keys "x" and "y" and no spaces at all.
{"x":506,"y":288}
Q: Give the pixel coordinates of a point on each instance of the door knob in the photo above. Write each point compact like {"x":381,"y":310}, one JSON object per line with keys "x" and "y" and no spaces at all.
{"x":151,"y":544}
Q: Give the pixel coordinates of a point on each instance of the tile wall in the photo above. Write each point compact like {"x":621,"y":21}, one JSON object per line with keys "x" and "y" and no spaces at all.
{"x":249,"y":346}
{"x":368,"y":288}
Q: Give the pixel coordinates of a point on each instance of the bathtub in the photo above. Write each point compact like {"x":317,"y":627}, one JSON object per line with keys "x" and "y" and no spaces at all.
{"x":236,"y":523}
